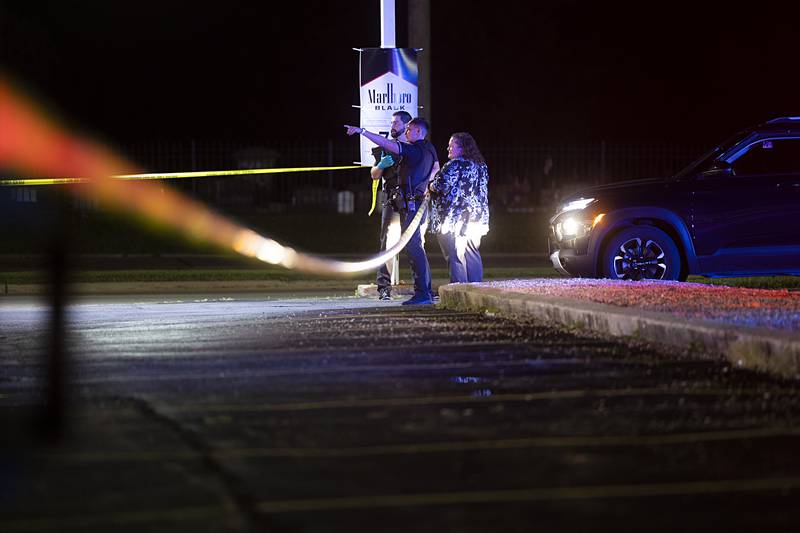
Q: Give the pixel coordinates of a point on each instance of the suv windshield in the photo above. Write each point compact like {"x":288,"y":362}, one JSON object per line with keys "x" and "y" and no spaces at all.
{"x":710,"y":155}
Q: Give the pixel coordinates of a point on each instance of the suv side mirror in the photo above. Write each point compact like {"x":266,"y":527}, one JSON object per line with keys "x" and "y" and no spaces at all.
{"x":719,"y":169}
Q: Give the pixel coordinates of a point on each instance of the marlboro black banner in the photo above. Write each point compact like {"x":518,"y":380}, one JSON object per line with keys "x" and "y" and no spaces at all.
{"x":388,"y":84}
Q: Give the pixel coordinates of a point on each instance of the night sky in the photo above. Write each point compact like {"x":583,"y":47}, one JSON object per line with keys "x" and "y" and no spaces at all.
{"x":570,"y":70}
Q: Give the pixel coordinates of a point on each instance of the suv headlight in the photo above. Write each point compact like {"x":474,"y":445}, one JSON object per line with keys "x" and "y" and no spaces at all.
{"x":576,"y":225}
{"x":572,"y":226}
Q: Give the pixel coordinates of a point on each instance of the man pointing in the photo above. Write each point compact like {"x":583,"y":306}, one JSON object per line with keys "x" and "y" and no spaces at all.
{"x":419,"y":163}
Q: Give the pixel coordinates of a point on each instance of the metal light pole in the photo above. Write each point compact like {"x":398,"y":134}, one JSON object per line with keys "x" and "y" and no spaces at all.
{"x":419,"y":36}
{"x":388,"y":39}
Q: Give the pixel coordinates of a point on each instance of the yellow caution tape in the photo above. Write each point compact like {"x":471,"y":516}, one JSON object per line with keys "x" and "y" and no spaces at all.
{"x":374,"y":196}
{"x":172,"y":175}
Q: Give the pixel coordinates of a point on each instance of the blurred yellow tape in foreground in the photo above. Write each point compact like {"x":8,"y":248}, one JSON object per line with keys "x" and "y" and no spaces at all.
{"x":172,"y":175}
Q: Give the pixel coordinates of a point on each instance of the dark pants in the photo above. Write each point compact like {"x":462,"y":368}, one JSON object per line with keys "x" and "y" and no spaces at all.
{"x":384,"y":278}
{"x":462,"y":269}
{"x":416,"y":256}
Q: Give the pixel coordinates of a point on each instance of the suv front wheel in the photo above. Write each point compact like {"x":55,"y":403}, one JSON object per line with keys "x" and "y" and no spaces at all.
{"x":641,"y":252}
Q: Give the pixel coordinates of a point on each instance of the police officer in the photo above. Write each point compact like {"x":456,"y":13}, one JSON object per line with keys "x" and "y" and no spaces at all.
{"x":386,"y":169}
{"x":419,"y":163}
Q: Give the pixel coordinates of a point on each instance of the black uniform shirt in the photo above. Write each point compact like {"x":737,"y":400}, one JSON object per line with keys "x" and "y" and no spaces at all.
{"x":418,"y":160}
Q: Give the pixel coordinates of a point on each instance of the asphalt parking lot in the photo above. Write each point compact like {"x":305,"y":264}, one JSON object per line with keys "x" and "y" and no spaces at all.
{"x":336,"y":414}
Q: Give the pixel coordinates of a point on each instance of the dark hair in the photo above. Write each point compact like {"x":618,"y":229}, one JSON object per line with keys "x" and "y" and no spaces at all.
{"x":422,"y":123}
{"x":469,"y":148}
{"x":405,"y":116}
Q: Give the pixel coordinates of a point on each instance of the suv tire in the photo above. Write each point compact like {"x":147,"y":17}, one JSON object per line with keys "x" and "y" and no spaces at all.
{"x":641,"y":252}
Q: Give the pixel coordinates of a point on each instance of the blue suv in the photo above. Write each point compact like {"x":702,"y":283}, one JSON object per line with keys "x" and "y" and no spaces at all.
{"x":733,"y":212}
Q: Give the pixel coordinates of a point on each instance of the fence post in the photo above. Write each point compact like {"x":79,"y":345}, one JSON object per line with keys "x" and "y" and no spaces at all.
{"x":603,"y":161}
{"x":330,"y":164}
{"x":194,"y":167}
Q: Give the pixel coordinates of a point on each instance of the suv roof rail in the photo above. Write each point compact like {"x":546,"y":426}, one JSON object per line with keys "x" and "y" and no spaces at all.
{"x":781,"y":120}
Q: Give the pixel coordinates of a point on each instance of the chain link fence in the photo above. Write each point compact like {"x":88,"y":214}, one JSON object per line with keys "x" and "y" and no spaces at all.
{"x":539,"y":175}
{"x":524,"y":176}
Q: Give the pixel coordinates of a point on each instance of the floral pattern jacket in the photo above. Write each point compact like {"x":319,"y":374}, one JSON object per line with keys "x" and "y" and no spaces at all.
{"x":459,"y":198}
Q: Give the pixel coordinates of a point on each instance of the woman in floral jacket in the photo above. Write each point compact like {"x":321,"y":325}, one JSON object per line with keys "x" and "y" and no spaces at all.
{"x":460,"y":208}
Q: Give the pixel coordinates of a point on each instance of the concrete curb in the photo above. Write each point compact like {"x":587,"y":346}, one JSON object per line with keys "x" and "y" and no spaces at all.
{"x":177,"y":287}
{"x":771,"y":351}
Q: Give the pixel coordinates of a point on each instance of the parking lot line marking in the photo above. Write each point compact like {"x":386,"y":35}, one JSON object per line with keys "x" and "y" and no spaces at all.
{"x":530,"y":495}
{"x":59,"y":523}
{"x":438,"y":400}
{"x":284,"y":372}
{"x":589,"y":441}
{"x":122,"y":457}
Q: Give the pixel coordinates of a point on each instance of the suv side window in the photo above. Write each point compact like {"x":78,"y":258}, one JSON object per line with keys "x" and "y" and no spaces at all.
{"x":772,"y":156}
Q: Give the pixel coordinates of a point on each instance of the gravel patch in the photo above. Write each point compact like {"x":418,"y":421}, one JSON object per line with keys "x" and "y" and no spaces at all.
{"x":774,"y":309}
